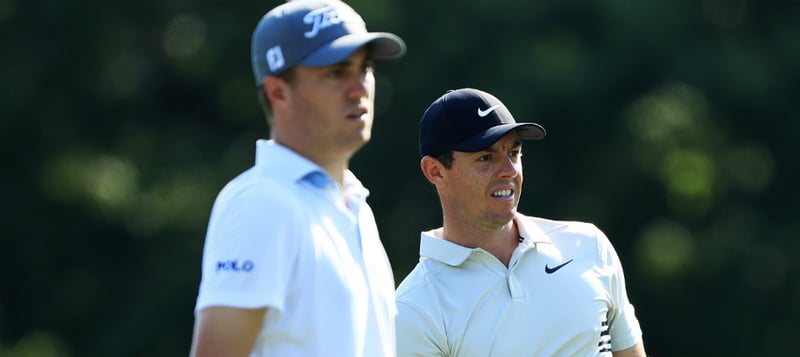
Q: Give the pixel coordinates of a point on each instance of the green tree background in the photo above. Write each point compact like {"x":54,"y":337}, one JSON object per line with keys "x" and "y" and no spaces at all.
{"x":672,"y":125}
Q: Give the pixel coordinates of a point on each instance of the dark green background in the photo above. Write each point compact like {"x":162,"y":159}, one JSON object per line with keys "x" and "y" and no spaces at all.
{"x":672,"y":125}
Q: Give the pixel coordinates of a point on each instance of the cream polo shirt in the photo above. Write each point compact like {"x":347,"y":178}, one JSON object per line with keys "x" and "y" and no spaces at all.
{"x":562,"y":295}
{"x":281,"y":237}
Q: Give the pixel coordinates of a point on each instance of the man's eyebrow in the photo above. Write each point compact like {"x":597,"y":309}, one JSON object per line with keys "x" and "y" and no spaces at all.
{"x":367,"y":59}
{"x":517,"y":144}
{"x":343,"y":63}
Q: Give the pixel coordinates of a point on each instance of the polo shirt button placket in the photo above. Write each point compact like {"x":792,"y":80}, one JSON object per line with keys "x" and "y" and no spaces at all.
{"x":514,"y":287}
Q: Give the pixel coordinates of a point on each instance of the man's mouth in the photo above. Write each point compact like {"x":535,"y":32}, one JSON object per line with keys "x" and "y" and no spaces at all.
{"x":502,"y":193}
{"x":357,"y":114}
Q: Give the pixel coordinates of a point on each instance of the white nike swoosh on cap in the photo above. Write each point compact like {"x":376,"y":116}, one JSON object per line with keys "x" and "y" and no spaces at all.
{"x":483,"y":113}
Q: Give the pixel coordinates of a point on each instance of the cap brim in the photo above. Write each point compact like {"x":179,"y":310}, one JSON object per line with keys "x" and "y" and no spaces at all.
{"x":485,"y":139}
{"x":382,"y":45}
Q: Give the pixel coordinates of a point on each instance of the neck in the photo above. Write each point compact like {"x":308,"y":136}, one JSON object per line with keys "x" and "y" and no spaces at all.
{"x":333,"y":164}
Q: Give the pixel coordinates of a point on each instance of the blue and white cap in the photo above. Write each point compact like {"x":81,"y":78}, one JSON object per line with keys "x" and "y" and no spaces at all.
{"x":315,"y":33}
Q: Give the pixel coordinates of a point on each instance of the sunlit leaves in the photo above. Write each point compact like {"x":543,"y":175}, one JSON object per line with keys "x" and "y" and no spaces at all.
{"x":680,"y":142}
{"x":110,"y":187}
{"x":184,"y":36}
{"x":37,"y":344}
{"x":106,"y":182}
{"x":665,"y":251}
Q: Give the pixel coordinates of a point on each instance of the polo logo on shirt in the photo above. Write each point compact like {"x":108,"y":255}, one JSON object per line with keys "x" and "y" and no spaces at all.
{"x":235,"y":265}
{"x":552,"y":270}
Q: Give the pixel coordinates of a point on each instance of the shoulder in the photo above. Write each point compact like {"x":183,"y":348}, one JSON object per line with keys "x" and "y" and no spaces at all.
{"x":413,"y":284}
{"x":420,"y":319}
{"x":418,"y":305}
{"x":563,"y":234}
{"x":255,"y":186}
{"x":416,"y":288}
{"x":254,"y":201}
{"x":560,"y":229}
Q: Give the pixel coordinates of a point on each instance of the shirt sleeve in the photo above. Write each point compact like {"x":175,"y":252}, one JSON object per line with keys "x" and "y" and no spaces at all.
{"x":249,"y":249}
{"x":416,"y":334}
{"x":623,"y":324}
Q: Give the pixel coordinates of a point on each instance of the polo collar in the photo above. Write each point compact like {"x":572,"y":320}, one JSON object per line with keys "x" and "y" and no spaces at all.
{"x":530,"y":230}
{"x":282,"y":162}
{"x":290,"y":166}
{"x":453,"y":254}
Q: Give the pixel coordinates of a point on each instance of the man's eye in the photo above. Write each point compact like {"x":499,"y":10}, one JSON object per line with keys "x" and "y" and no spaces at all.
{"x":336,"y":73}
{"x":485,"y":158}
{"x":515,"y":153}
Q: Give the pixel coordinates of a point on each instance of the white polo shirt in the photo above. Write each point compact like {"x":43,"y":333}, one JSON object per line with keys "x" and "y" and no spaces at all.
{"x":281,"y":237}
{"x":562,"y":295}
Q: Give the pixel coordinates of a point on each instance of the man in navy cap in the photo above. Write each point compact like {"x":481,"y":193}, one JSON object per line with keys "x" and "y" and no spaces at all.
{"x":492,"y":281}
{"x":292,"y":264}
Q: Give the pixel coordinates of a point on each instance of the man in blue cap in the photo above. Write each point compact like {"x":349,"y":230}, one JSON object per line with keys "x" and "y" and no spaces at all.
{"x":292,"y":264}
{"x":492,"y":281}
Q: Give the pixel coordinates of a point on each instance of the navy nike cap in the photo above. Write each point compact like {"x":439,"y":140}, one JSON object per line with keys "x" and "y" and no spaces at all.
{"x":314,"y":33}
{"x":468,"y":120}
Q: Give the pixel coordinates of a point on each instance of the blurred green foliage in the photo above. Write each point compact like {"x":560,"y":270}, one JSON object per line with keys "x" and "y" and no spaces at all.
{"x":672,"y":125}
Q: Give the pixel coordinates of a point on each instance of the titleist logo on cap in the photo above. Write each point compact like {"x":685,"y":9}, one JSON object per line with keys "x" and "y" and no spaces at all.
{"x":275,"y":58}
{"x":321,"y":19}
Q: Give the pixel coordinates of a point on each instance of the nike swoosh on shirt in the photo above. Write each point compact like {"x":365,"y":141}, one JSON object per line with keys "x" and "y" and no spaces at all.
{"x":552,"y":270}
{"x":483,"y":113}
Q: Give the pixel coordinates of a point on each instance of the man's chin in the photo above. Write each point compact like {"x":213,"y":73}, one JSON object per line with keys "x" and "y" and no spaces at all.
{"x":502,"y":219}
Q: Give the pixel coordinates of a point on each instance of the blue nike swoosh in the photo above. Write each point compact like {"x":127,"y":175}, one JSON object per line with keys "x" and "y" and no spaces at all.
{"x":552,"y":270}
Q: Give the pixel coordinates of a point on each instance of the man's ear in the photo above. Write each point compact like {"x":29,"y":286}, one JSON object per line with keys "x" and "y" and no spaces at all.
{"x":274,"y":90}
{"x":433,"y":170}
